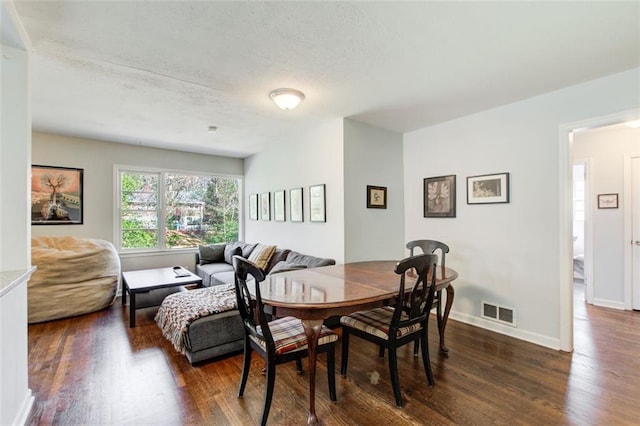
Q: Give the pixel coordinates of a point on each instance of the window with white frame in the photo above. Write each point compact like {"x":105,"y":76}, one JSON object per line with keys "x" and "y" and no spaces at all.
{"x":161,"y":210}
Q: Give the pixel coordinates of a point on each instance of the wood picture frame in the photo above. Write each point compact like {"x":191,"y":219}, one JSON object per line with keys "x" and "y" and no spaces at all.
{"x":265,"y":206}
{"x":253,"y":207}
{"x":440,"y":196}
{"x":296,"y":205}
{"x":317,"y":203}
{"x":279,"y":206}
{"x":56,"y":195}
{"x":376,"y":197}
{"x":488,"y":189}
{"x":607,"y":201}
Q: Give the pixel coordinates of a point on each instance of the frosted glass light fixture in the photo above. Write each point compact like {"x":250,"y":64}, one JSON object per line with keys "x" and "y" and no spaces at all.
{"x":287,"y":98}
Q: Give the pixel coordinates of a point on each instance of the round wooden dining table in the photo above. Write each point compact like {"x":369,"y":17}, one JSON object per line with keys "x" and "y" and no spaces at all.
{"x":316,"y":294}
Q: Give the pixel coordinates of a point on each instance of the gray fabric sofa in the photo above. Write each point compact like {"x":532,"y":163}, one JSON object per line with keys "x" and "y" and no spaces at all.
{"x":222,"y":333}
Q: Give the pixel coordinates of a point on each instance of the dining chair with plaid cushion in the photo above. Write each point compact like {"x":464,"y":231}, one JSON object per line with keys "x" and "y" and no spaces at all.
{"x":391,"y":327}
{"x":278,"y":341}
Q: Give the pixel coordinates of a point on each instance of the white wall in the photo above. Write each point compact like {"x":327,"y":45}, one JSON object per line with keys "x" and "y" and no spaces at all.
{"x":373,"y":156}
{"x":509,"y":253}
{"x":315,"y":157}
{"x":606,"y":148}
{"x":98,"y":159}
{"x":16,"y":398}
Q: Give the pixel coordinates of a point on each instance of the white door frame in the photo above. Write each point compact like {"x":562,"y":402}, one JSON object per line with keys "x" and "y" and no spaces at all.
{"x":565,"y":215}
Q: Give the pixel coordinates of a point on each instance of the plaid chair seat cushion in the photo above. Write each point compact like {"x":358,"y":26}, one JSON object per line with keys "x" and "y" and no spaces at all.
{"x":377,"y":321}
{"x":288,"y":335}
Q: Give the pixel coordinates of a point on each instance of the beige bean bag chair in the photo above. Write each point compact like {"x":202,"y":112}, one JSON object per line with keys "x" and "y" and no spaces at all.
{"x":74,"y":276}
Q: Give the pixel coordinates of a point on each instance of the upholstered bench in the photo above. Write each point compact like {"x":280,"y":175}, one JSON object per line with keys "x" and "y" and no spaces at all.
{"x":203,"y":323}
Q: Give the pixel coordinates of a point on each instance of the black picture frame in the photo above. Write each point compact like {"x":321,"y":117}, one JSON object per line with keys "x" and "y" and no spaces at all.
{"x":317,"y":203}
{"x":279,"y":206}
{"x":376,"y":197}
{"x":440,"y":196}
{"x":253,"y":207}
{"x":488,"y":189}
{"x":607,"y":201}
{"x":56,"y":195}
{"x":265,"y":206}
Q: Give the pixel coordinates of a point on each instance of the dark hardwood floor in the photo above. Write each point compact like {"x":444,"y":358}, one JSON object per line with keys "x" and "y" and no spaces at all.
{"x":95,"y":370}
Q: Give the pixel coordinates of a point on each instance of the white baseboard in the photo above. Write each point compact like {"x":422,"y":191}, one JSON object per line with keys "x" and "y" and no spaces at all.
{"x":608,"y":304}
{"x":527,"y":336}
{"x":23,"y":414}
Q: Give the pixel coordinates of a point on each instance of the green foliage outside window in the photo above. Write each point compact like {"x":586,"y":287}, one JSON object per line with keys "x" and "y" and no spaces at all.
{"x":197,"y":209}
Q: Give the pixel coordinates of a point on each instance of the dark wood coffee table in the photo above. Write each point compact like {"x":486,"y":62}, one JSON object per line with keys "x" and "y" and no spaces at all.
{"x":146,"y":280}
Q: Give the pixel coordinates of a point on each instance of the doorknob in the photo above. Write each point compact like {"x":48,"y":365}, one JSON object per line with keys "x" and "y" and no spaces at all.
{"x":637,"y":242}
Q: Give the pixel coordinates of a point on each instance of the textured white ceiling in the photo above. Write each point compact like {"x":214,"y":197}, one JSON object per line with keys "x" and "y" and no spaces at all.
{"x":159,"y":73}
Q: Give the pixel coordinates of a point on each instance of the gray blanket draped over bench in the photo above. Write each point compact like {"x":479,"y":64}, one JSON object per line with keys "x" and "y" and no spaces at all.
{"x":179,"y":310}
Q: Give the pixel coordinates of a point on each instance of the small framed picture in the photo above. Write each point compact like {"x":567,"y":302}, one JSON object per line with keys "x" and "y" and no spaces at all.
{"x":253,"y":207}
{"x":440,"y":196}
{"x":607,"y":201}
{"x":317,"y":204}
{"x":488,"y":189}
{"x":376,"y":197}
{"x":296,"y":206}
{"x":278,"y":206}
{"x":265,"y":206}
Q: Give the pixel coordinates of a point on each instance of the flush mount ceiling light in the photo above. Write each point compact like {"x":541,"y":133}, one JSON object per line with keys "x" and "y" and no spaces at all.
{"x":287,"y":98}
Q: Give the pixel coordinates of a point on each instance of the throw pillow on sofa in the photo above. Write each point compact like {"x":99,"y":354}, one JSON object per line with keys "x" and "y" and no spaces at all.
{"x":283,"y":266}
{"x":261,"y":255}
{"x":231,"y":249}
{"x":211,"y":253}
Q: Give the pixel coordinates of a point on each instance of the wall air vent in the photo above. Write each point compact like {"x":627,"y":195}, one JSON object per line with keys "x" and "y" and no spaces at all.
{"x":498,"y":313}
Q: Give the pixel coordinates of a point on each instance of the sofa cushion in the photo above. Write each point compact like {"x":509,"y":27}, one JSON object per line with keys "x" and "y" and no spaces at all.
{"x":220,"y":278}
{"x":211,"y":253}
{"x":232,"y":249}
{"x":261,"y":255}
{"x":284,"y":267}
{"x":279,"y":256}
{"x":310,"y":261}
{"x":247,"y":249}
{"x":206,"y":271}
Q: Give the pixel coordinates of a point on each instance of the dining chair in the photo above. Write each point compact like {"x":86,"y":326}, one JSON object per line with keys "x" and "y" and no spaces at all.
{"x":430,"y":246}
{"x":278,"y":341}
{"x":391,"y":327}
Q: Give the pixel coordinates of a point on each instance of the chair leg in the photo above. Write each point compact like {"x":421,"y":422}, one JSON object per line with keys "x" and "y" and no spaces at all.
{"x":246,"y":365}
{"x":345,"y":351}
{"x":439,"y":312}
{"x":416,"y":347}
{"x":425,"y":357}
{"x":331,"y":373}
{"x":299,"y":365}
{"x":381,"y":351}
{"x":268,"y":392}
{"x":393,"y":372}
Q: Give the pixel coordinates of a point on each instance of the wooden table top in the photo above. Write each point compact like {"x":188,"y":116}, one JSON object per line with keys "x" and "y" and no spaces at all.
{"x":319,"y":293}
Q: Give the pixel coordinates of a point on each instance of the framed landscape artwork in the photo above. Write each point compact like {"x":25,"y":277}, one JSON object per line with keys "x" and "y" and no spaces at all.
{"x":317,"y":203}
{"x":376,"y":197}
{"x":488,"y":189}
{"x":440,"y":196}
{"x":278,"y":206}
{"x":296,"y":206}
{"x":253,"y":207}
{"x":56,"y":195}
{"x":265,"y":206}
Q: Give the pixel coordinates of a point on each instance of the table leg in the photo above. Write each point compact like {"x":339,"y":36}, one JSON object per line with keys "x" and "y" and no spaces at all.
{"x":447,"y":309}
{"x":132,"y":310}
{"x":124,"y":293}
{"x":312,"y":331}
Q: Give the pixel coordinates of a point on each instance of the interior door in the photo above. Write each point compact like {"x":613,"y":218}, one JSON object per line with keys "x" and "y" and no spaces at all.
{"x":635,"y":241}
